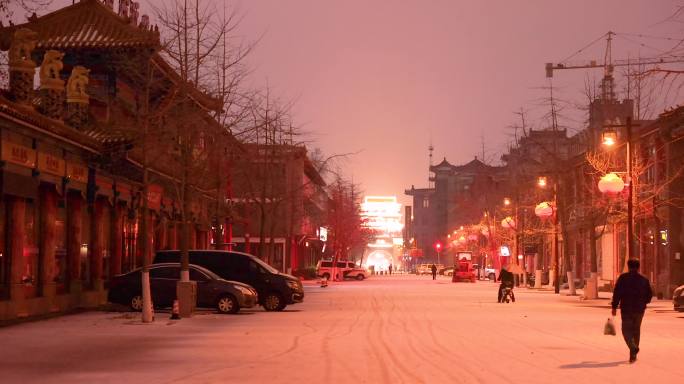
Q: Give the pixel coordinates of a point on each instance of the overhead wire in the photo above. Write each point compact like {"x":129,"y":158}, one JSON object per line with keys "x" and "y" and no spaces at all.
{"x":584,"y":48}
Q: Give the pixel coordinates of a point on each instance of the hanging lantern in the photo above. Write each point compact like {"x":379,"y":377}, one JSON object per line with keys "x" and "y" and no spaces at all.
{"x":508,"y":222}
{"x":611,"y":183}
{"x":544,"y":210}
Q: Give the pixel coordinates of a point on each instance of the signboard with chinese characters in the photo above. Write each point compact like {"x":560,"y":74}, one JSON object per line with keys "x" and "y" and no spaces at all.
{"x":154,"y":196}
{"x":52,"y":164}
{"x":18,"y":154}
{"x":77,"y":172}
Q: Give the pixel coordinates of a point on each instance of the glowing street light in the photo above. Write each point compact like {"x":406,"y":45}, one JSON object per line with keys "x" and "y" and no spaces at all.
{"x":611,"y":183}
{"x":544,"y":210}
{"x":541,"y":181}
{"x":507,"y":201}
{"x":609,"y":137}
{"x":508,"y":222}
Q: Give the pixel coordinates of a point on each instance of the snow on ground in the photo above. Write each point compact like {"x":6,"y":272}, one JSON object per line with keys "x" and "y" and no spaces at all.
{"x":387,"y":329}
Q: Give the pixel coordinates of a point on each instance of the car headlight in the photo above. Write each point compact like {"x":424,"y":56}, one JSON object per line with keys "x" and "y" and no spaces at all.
{"x":293,"y":284}
{"x":245,"y":291}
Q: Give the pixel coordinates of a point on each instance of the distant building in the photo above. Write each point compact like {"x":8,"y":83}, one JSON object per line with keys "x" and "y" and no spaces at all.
{"x":461,"y":196}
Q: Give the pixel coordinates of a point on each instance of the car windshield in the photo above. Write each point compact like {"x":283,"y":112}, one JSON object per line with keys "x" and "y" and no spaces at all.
{"x":264,"y":265}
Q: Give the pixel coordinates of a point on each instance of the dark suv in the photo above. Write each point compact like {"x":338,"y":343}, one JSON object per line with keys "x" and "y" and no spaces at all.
{"x":276,"y":290}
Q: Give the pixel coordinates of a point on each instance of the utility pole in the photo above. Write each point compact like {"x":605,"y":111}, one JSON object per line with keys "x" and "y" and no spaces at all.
{"x":630,"y":191}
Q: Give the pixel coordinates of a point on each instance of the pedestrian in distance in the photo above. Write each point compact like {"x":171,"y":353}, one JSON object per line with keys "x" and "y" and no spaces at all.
{"x":390,"y":269}
{"x":632,"y":292}
{"x":433,"y":268}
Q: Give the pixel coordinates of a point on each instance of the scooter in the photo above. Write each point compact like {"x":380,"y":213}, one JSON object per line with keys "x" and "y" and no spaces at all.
{"x":507,"y":294}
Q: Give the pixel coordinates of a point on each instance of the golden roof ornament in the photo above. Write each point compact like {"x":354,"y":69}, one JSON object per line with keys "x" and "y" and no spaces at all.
{"x":23,"y":43}
{"x":49,"y":70}
{"x":76,"y":86}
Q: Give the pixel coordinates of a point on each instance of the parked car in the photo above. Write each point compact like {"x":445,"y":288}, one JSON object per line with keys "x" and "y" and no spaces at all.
{"x":212,"y":291}
{"x":678,"y":298}
{"x":448,"y":271}
{"x":348,"y":269}
{"x":423,"y":269}
{"x":276,"y":290}
{"x":354,"y":271}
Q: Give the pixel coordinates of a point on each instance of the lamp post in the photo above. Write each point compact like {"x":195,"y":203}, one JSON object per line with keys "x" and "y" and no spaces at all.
{"x":438,"y":248}
{"x":542,"y":183}
{"x":609,"y":137}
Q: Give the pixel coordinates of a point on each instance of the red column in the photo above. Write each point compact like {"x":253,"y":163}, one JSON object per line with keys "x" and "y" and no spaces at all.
{"x":74,"y":223}
{"x":193,"y":237}
{"x":162,"y":232}
{"x":228,"y":235}
{"x":172,"y":236}
{"x":117,"y":240}
{"x":48,"y":215}
{"x":95,"y":254}
{"x":151,"y":223}
{"x":15,"y":244}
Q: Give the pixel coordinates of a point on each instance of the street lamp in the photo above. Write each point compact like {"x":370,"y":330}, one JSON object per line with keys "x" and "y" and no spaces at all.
{"x":542,"y":182}
{"x":611,"y":183}
{"x":609,"y":139}
{"x":507,"y":201}
{"x":438,"y":248}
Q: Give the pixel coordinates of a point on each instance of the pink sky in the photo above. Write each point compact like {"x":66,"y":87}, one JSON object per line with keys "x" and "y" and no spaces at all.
{"x":385,"y":77}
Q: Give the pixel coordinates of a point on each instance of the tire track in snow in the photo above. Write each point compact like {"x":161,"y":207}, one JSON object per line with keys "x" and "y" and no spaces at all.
{"x":398,"y":364}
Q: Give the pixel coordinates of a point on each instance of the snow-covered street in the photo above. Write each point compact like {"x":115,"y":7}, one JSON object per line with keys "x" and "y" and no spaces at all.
{"x":398,"y":329}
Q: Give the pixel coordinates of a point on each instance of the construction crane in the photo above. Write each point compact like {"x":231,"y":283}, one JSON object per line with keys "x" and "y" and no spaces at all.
{"x":608,"y":64}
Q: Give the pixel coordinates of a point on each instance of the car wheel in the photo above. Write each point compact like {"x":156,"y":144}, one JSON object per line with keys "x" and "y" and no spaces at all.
{"x":491,"y":277}
{"x":360,"y":277}
{"x":273,"y":302}
{"x":227,"y":304}
{"x":136,"y":303}
{"x":326,"y":276}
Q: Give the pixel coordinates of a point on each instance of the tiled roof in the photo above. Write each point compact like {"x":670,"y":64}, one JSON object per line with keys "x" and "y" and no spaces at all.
{"x":93,"y":138}
{"x":86,"y":24}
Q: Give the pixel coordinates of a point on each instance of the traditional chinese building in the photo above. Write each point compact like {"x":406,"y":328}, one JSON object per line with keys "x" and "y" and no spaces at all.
{"x":78,"y":173}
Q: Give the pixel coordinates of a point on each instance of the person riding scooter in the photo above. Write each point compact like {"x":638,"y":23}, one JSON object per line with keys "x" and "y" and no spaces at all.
{"x":507,"y":280}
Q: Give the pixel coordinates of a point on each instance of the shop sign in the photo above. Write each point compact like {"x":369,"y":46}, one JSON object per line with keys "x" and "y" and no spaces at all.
{"x":18,"y":154}
{"x":416,"y":252}
{"x":77,"y":172}
{"x":49,"y":163}
{"x":104,"y":184}
{"x":154,"y":196}
{"x":123,"y":190}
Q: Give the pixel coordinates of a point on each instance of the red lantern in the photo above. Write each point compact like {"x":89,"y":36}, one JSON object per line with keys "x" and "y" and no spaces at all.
{"x":544,"y":210}
{"x":508,"y":222}
{"x":611,"y":183}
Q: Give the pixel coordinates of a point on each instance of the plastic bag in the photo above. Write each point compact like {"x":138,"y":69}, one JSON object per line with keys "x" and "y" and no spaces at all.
{"x":609,"y":328}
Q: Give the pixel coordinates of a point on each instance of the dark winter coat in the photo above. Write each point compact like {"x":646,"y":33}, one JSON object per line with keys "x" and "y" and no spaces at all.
{"x":506,"y":277}
{"x":434,"y":269}
{"x":632,"y":292}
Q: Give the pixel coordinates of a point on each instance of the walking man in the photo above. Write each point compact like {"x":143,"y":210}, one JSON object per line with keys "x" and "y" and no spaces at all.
{"x":433,"y":268}
{"x":632,"y":292}
{"x":390,"y":269}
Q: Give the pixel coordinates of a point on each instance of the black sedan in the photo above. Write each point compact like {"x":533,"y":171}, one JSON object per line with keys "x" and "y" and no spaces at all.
{"x":212,"y":291}
{"x":678,"y":298}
